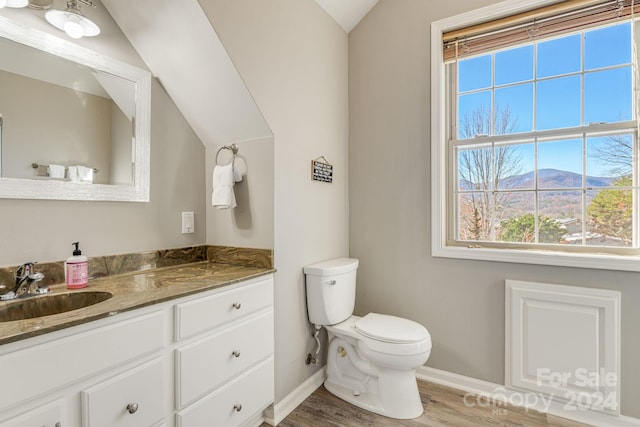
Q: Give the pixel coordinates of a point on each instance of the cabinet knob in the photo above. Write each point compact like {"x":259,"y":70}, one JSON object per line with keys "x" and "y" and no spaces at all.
{"x":237,"y":305}
{"x":237,"y":407}
{"x":236,"y":353}
{"x":132,"y":408}
{"x":58,"y":424}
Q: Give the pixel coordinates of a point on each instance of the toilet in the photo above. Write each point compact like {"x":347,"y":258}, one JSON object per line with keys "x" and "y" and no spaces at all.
{"x":372,"y":360}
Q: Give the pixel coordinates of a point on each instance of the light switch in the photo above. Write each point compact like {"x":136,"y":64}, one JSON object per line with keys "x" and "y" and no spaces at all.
{"x":188,"y":223}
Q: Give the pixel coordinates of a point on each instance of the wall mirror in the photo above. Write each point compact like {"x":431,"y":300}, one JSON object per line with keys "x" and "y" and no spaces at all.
{"x":74,"y":124}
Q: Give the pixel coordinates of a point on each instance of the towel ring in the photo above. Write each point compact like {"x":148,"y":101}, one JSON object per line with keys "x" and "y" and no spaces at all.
{"x":233,"y":148}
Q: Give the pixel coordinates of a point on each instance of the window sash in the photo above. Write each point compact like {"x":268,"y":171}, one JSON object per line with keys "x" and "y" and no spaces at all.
{"x":584,"y":133}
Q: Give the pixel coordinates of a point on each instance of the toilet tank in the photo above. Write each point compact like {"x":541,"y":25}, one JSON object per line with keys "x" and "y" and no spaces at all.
{"x":331,"y":290}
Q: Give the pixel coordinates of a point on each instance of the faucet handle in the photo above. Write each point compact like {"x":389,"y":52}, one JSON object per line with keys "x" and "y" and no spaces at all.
{"x":25,"y":269}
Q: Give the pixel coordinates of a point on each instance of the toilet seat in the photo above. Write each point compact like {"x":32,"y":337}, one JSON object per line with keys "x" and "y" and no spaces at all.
{"x":348,"y":329}
{"x":391,"y":329}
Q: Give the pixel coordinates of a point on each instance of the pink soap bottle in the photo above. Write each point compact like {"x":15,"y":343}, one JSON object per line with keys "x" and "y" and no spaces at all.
{"x":76,"y":269}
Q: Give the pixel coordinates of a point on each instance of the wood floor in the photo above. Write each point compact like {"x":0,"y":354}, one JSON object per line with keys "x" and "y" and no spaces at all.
{"x":444,"y":406}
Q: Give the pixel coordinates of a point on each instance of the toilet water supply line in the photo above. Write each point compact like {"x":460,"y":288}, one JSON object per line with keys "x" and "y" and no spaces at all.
{"x":313,"y":358}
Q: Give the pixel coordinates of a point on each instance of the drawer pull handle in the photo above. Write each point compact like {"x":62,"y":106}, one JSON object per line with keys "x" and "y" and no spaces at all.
{"x":237,"y":407}
{"x":236,"y":353}
{"x":132,"y":408}
{"x":237,"y":305}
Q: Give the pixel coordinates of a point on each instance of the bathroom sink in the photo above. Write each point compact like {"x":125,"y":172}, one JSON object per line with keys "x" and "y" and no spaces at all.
{"x":47,"y":305}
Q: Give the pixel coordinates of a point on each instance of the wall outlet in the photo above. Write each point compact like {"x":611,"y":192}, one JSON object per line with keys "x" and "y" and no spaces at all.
{"x":188,"y":223}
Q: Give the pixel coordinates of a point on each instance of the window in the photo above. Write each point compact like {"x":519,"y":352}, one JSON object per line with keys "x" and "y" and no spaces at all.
{"x":535,"y":136}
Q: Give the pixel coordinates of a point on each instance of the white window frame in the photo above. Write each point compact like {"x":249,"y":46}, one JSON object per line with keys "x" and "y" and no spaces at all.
{"x":439,"y":164}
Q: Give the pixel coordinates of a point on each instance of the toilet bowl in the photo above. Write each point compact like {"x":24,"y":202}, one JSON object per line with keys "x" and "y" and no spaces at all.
{"x":371,"y":360}
{"x":377,"y":373}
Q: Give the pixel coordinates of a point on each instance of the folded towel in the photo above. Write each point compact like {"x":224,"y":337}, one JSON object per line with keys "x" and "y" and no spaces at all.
{"x":223,"y":196}
{"x":56,"y":171}
{"x":85,"y":174}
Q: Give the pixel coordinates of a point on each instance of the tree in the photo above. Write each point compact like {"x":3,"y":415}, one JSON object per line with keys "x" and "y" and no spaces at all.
{"x":523,"y":230}
{"x":618,"y":154}
{"x":611,"y":211}
{"x":485,"y":169}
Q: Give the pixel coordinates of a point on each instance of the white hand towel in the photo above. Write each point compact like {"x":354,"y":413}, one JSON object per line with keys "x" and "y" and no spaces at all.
{"x":223,"y":196}
{"x":56,"y":171}
{"x":72,"y":173}
{"x":85,"y":174}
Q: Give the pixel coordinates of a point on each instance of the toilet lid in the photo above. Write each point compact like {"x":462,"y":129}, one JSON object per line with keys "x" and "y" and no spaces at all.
{"x":392,"y":329}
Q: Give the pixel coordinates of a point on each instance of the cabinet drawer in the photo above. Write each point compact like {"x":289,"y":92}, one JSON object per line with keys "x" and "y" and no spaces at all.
{"x":49,"y":415}
{"x":132,"y":399}
{"x":202,"y":314}
{"x":235,"y":403}
{"x":206,"y":364}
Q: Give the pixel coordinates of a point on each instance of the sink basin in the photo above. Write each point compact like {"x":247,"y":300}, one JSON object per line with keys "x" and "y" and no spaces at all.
{"x":47,"y":305}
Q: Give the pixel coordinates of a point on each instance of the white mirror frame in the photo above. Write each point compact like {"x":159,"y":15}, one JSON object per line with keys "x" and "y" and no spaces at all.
{"x":13,"y":188}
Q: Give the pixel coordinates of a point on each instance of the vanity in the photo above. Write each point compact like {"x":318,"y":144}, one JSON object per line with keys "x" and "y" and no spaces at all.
{"x":184,"y":346}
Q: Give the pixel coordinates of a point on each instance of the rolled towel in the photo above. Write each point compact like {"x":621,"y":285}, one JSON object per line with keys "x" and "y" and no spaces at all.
{"x":223,"y":196}
{"x":72,"y":173}
{"x":85,"y":174}
{"x":56,"y":171}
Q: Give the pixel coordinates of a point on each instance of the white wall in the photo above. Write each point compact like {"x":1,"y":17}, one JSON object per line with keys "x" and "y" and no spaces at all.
{"x":293,"y":59}
{"x":34,"y":230}
{"x":461,"y":302}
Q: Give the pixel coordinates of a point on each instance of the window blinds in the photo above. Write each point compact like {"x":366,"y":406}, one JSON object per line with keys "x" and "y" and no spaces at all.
{"x":556,"y":19}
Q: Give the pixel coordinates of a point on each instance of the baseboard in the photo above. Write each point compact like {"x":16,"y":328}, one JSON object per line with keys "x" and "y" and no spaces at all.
{"x":492,"y":392}
{"x":275,"y":414}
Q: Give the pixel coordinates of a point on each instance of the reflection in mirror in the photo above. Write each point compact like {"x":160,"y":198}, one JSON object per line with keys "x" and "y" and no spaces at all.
{"x":70,"y":117}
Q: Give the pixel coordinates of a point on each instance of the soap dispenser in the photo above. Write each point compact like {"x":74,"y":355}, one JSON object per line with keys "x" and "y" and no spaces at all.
{"x":76,"y":269}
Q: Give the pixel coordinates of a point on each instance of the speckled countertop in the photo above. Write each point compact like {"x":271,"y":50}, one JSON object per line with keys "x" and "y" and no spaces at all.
{"x":131,"y":291}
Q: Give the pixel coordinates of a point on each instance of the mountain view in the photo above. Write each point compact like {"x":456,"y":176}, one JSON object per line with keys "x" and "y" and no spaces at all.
{"x":554,"y":178}
{"x":559,"y":205}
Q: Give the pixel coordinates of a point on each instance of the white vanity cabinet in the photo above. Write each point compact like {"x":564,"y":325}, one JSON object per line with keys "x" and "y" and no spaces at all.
{"x":187,"y":362}
{"x":224,"y":376}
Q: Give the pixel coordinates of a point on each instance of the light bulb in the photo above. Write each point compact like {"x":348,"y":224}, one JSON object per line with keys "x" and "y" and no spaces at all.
{"x":73,"y":29}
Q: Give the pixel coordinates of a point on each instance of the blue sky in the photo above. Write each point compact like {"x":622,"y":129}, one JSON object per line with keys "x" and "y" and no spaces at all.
{"x":561,"y":71}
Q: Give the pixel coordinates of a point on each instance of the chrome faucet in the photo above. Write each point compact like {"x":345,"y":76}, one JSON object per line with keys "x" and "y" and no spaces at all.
{"x":26,"y":284}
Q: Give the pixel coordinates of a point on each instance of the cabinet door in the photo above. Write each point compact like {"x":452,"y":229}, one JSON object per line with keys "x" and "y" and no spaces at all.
{"x":235,"y":403}
{"x":133,"y":399}
{"x":49,"y":415}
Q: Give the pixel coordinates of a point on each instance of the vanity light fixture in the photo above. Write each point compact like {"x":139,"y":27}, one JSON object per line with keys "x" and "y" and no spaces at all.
{"x":13,"y":3}
{"x":71,"y":20}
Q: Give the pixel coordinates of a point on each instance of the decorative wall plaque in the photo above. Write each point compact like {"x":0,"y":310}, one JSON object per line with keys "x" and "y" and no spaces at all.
{"x":321,"y":170}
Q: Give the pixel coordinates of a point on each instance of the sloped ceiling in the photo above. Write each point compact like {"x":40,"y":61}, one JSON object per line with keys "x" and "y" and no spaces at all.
{"x":177,"y":42}
{"x":347,"y":13}
{"x":181,"y":48}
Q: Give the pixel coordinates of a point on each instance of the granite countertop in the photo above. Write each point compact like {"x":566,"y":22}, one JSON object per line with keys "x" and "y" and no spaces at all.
{"x":131,"y":291}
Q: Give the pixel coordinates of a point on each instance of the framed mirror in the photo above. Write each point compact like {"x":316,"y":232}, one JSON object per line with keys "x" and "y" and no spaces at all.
{"x":74,"y":124}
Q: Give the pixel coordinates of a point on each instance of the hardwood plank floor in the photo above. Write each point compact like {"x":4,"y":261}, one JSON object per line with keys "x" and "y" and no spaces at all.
{"x":444,"y":406}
